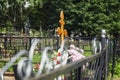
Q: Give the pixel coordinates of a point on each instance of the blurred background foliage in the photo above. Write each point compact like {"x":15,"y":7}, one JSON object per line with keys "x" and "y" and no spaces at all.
{"x":82,"y":17}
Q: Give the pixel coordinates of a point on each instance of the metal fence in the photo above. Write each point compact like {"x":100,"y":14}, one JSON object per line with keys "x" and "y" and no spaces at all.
{"x":85,"y":69}
{"x":94,"y":67}
{"x":11,"y":45}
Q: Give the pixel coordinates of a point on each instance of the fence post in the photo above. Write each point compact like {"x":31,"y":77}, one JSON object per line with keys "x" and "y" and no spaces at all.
{"x":5,"y":46}
{"x":104,"y":47}
{"x":113,"y":57}
{"x":30,"y":42}
{"x":80,"y":75}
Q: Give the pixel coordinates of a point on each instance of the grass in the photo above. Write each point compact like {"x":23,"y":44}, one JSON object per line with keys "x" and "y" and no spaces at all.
{"x":87,"y":51}
{"x":36,"y":57}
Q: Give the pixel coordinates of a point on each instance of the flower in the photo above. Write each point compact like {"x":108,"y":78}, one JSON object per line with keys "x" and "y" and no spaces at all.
{"x":75,"y":53}
{"x":37,"y":66}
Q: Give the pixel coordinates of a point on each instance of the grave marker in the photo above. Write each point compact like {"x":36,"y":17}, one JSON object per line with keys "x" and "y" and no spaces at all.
{"x":60,"y":30}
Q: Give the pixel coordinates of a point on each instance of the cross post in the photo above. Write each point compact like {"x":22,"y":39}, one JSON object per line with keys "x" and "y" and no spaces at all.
{"x":60,"y":30}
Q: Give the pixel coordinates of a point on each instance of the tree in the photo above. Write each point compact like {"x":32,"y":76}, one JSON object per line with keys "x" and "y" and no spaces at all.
{"x":16,"y":12}
{"x":86,"y":17}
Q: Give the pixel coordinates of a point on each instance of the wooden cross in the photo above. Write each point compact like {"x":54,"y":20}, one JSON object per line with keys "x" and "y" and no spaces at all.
{"x":60,"y":30}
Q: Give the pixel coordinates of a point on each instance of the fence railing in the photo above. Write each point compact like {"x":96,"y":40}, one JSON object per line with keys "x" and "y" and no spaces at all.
{"x":11,"y":45}
{"x":94,"y":67}
{"x":85,"y":69}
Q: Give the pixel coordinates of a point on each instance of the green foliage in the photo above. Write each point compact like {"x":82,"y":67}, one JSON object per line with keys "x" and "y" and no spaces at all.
{"x":87,"y":51}
{"x":37,"y":57}
{"x":117,"y":68}
{"x":87,"y":17}
{"x":2,"y":64}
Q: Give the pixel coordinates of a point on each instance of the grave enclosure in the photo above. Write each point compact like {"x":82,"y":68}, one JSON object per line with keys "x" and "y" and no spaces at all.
{"x":51,"y":49}
{"x":96,"y":69}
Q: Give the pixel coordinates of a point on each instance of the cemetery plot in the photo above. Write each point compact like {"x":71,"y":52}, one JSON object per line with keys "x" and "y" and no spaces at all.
{"x":67,"y":60}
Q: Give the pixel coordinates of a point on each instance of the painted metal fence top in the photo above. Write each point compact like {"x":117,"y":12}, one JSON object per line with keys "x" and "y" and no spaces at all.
{"x":25,"y":37}
{"x":65,"y":69}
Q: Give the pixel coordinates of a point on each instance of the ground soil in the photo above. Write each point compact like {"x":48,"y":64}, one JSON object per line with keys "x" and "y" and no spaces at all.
{"x":9,"y":76}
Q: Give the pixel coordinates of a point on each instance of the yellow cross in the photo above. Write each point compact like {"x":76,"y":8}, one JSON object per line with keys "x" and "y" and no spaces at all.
{"x":60,"y":30}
